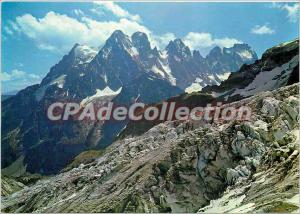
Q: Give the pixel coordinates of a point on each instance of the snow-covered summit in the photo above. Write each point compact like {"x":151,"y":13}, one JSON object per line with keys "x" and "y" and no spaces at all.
{"x":84,"y":54}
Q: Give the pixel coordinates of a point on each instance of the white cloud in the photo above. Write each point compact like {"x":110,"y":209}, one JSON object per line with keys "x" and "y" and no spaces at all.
{"x":78,"y":12}
{"x":97,"y":11}
{"x":14,"y":26}
{"x":292,"y":10}
{"x":58,"y":33}
{"x":198,"y":40}
{"x":53,"y":32}
{"x":11,"y":28}
{"x":100,"y":31}
{"x":8,"y":31}
{"x":162,"y":41}
{"x":17,"y":75}
{"x":5,"y":76}
{"x":116,"y":10}
{"x":205,"y":41}
{"x":227,"y":42}
{"x":262,"y":29}
{"x":17,"y":79}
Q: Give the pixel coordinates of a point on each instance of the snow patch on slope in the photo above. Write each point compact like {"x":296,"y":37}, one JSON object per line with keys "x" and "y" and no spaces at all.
{"x":216,"y":94}
{"x":213,"y":80}
{"x":156,"y":70}
{"x":269,"y":80}
{"x":163,"y":54}
{"x":245,"y":54}
{"x":195,"y":86}
{"x":59,"y":82}
{"x":132,"y":51}
{"x":166,"y":73}
{"x":106,"y":92}
{"x":224,"y":76}
{"x":84,"y":54}
{"x":170,"y":77}
{"x":106,"y":52}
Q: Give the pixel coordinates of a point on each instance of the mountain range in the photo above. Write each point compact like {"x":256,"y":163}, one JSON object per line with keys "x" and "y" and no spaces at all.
{"x":278,"y":67}
{"x":123,"y":70}
{"x":236,"y":166}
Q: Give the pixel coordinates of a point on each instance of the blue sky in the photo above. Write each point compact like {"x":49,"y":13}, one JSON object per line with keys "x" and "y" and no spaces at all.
{"x":35,"y":36}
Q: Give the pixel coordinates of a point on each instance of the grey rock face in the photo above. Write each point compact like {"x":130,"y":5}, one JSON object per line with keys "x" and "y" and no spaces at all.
{"x":230,"y":59}
{"x":10,"y":186}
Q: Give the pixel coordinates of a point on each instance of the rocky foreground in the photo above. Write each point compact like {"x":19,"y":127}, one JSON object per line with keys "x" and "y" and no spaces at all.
{"x":239,"y":166}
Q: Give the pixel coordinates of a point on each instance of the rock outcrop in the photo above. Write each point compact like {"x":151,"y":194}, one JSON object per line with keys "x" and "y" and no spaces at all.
{"x":10,"y":186}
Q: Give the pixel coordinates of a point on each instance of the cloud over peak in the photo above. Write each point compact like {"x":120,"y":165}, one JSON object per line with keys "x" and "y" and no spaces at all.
{"x":59,"y":32}
{"x":116,"y":10}
{"x":205,"y":41}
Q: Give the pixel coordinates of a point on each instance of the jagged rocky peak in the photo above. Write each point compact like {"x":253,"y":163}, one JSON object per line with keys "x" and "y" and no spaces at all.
{"x":74,"y":47}
{"x":241,"y":46}
{"x":216,"y":51}
{"x":118,"y":34}
{"x":156,"y":51}
{"x":230,"y":59}
{"x":118,"y":37}
{"x":197,"y":55}
{"x":178,"y":48}
{"x":244,"y":51}
{"x":140,"y":41}
{"x":79,"y":54}
{"x":118,"y":42}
